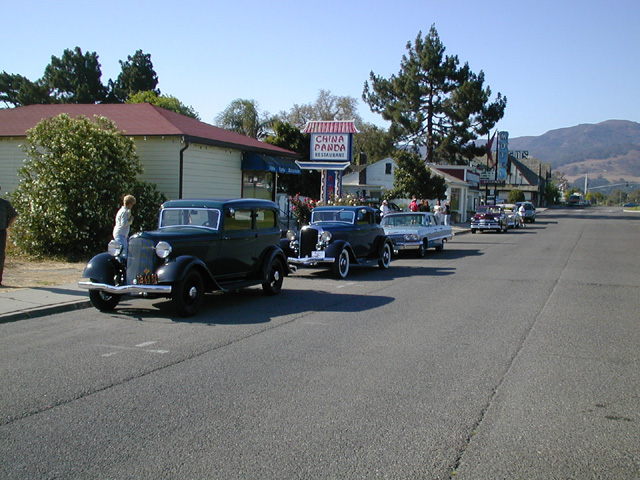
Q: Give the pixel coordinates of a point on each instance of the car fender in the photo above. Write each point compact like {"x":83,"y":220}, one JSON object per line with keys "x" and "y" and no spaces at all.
{"x":334,"y":249}
{"x":379,"y":242}
{"x":177,"y":269}
{"x":285,"y":246}
{"x":103,"y":268}
{"x":268,"y":256}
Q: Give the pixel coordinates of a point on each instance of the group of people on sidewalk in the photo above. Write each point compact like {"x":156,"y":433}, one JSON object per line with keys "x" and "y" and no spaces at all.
{"x":442,"y":212}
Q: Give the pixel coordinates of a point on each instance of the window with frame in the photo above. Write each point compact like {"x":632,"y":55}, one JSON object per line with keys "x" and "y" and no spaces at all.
{"x":237,"y":219}
{"x":265,"y":219}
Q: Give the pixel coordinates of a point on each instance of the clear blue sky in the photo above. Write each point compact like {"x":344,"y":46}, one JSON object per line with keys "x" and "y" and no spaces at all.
{"x":560,"y":63}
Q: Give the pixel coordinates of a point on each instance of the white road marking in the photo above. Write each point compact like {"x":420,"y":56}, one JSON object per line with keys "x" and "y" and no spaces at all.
{"x":136,"y":348}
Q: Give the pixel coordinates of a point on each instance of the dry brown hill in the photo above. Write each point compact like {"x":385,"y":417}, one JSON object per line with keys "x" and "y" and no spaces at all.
{"x":610,"y":149}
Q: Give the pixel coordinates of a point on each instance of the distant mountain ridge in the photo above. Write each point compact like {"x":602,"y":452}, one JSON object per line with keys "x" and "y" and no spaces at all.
{"x":610,"y":148}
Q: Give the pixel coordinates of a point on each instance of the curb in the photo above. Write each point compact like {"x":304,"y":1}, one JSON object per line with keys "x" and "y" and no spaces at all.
{"x":44,"y":311}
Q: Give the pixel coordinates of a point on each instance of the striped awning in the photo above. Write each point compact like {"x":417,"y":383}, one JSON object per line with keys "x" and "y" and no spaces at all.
{"x":336,"y":126}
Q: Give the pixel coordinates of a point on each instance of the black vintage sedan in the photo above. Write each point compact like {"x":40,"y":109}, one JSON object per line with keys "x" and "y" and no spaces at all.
{"x":199,"y":246}
{"x":339,"y":236}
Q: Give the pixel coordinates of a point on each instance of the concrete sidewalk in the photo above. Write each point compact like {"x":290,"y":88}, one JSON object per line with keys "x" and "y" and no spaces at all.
{"x":25,"y":303}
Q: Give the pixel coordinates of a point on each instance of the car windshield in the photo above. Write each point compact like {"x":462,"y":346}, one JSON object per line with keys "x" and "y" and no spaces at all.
{"x":488,"y":209}
{"x":337,"y":215}
{"x":402,"y":220}
{"x":194,"y":217}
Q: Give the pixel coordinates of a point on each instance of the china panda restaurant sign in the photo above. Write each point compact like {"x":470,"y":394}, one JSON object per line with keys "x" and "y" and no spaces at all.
{"x":330,"y":153}
{"x":330,"y":146}
{"x":331,"y":141}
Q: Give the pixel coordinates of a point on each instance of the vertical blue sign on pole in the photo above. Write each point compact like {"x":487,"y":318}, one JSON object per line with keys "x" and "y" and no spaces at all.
{"x":503,"y":156}
{"x":329,"y":184}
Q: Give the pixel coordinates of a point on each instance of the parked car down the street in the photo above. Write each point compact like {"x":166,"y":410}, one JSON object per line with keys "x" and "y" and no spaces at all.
{"x":529,"y":211}
{"x":416,"y":231}
{"x":514,"y":220}
{"x":338,"y":237}
{"x":489,"y":217}
{"x":199,"y":246}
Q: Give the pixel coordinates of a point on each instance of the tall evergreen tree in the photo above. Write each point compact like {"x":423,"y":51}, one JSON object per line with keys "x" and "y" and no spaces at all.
{"x":75,"y":78}
{"x":435,"y":102}
{"x":18,"y":91}
{"x":137,"y":75}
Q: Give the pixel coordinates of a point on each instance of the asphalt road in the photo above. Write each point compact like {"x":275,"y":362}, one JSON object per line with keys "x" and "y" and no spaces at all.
{"x":506,"y":356}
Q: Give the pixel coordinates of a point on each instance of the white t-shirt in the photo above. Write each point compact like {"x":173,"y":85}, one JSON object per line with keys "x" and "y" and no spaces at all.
{"x":123,"y":222}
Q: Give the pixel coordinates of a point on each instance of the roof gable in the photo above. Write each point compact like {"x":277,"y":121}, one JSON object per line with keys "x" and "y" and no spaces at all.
{"x":135,"y":119}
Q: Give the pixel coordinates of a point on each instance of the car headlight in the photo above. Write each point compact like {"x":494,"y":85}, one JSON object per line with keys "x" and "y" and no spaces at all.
{"x":163,"y":249}
{"x":114,"y":248}
{"x":291,"y":235}
{"x":325,"y":237}
{"x":411,"y":237}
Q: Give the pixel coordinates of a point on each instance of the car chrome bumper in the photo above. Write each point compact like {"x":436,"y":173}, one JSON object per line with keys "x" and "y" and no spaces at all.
{"x":309,"y":261}
{"x":407,"y":246}
{"x":125,"y":289}
{"x":486,"y":226}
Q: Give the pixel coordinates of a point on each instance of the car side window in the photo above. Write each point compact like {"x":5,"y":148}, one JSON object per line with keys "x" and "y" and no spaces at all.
{"x":363,"y":218}
{"x":265,"y":219}
{"x":237,"y":219}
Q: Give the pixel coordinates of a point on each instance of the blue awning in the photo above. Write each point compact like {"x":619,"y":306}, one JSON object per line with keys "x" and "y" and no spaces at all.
{"x":257,"y":161}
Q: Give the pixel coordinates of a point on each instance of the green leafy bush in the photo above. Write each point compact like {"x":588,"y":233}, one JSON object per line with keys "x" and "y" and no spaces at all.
{"x":71,"y":185}
{"x":515,"y":195}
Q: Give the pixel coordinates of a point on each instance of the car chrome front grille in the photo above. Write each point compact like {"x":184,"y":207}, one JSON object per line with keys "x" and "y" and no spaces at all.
{"x":308,"y":241}
{"x":141,"y":262}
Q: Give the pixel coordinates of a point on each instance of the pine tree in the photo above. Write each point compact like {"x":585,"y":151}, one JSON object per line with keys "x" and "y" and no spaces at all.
{"x":435,"y":102}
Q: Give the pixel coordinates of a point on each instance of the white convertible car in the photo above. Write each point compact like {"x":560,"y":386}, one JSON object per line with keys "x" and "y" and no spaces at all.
{"x":416,"y":231}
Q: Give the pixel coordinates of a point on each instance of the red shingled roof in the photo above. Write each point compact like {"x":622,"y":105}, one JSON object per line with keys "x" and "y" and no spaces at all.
{"x":136,"y":119}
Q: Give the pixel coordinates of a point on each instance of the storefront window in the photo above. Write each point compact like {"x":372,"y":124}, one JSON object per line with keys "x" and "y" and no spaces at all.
{"x":455,"y":199}
{"x":258,"y":184}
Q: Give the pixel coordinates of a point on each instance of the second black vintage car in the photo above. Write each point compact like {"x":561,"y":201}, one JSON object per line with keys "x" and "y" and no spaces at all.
{"x":199,"y":246}
{"x":338,"y":237}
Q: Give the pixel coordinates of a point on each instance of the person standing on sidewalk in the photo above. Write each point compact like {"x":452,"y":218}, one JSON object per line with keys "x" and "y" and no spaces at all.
{"x":7,"y":215}
{"x":446,"y":210}
{"x":384,"y":208}
{"x":123,"y":223}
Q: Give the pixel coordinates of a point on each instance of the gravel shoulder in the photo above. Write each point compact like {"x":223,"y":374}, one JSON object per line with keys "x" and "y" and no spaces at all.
{"x":26,"y":273}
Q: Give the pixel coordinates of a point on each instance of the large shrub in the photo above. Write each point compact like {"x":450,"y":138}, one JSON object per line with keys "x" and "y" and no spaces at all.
{"x":515,"y":195}
{"x":71,"y":185}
